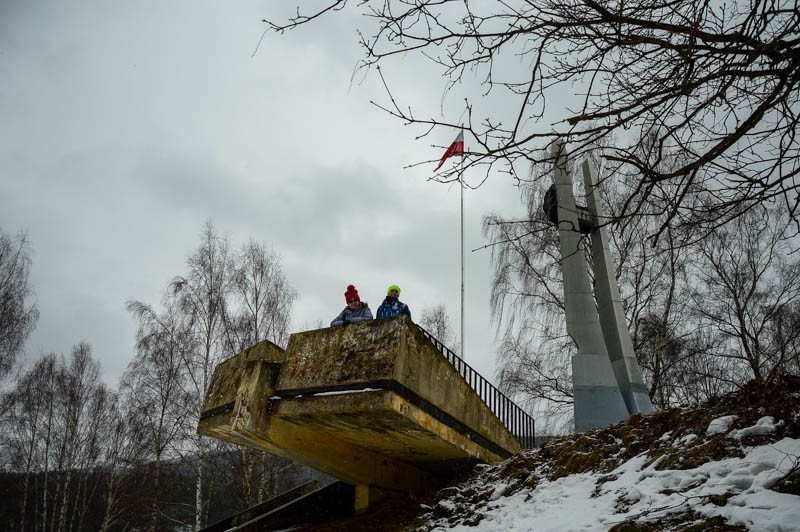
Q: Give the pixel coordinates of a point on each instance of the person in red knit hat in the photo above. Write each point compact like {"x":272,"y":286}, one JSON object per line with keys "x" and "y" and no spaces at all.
{"x":356,"y":310}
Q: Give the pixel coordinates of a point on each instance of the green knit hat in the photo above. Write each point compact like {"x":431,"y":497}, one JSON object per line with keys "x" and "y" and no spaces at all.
{"x":393,"y":287}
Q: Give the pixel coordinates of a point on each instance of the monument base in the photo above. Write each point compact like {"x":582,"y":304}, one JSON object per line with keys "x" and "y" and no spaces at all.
{"x":598,"y":401}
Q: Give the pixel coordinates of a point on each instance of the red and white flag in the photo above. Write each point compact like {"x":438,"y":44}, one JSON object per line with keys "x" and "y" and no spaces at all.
{"x":456,"y":148}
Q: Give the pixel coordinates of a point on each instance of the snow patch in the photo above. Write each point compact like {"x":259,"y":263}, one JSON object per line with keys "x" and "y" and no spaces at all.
{"x":765,"y":425}
{"x":591,"y":501}
{"x":720,"y":425}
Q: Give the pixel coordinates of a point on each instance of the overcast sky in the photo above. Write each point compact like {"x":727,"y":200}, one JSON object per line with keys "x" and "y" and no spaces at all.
{"x":125,"y":125}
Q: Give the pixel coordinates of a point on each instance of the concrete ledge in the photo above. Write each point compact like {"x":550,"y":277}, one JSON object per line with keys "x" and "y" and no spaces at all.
{"x":372,"y":404}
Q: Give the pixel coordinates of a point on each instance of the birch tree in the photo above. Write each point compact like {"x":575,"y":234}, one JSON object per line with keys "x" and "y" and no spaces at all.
{"x":262,"y":297}
{"x":54,"y":429}
{"x":124,"y":453}
{"x":748,"y":285}
{"x":83,"y":399}
{"x":436,"y":321}
{"x":262,"y":301}
{"x":18,"y":313}
{"x":157,"y":391}
{"x":27,"y":436}
{"x":204,"y":298}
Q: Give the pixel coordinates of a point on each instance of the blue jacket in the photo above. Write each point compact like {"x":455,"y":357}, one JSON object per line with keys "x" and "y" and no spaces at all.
{"x":363,"y":313}
{"x":392,"y":307}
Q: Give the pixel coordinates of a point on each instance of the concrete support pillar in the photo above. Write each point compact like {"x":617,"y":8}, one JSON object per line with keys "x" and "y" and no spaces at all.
{"x":609,"y":307}
{"x":598,"y":401}
{"x":361,"y":499}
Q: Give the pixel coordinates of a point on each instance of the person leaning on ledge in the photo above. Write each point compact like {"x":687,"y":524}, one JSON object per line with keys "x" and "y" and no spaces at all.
{"x":392,"y":306}
{"x":355,"y":311}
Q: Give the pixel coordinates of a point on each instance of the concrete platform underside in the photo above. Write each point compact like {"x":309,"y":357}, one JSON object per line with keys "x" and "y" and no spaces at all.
{"x":372,"y":404}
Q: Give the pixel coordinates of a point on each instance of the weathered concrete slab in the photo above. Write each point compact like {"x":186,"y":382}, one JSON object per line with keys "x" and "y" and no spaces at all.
{"x":372,"y":403}
{"x":241,"y":386}
{"x":388,"y":350}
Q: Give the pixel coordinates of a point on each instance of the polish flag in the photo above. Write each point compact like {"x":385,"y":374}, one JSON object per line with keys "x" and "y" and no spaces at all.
{"x":456,"y":148}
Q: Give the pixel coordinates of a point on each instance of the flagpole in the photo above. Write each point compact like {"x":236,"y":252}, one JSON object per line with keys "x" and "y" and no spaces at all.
{"x":461,"y":182}
{"x":457,"y":148}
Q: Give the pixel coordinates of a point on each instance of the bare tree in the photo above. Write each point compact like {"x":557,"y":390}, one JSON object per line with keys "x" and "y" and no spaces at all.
{"x":255,"y":476}
{"x":262,"y":301}
{"x":203,"y":295}
{"x":527,"y":309}
{"x":748,"y":285}
{"x":437,"y":321}
{"x":653,"y":276}
{"x":54,"y":422}
{"x":224,"y":303}
{"x":18,"y":315}
{"x":785,"y":337}
{"x":204,"y":298}
{"x":158,"y":397}
{"x":27,"y":436}
{"x":718,"y":81}
{"x":262,"y":296}
{"x":178,"y":351}
{"x":82,"y":396}
{"x":125,"y":449}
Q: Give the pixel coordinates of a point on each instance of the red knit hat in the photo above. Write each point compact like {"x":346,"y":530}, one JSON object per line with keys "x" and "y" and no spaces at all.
{"x":351,"y":293}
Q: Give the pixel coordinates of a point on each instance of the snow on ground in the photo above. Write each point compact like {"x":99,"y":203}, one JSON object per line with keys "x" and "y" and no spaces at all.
{"x":637,"y":490}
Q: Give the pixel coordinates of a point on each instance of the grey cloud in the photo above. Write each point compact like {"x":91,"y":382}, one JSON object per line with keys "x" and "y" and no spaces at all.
{"x":124,"y":126}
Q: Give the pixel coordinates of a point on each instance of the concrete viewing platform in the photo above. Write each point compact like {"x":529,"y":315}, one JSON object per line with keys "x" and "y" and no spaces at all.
{"x":375,"y":404}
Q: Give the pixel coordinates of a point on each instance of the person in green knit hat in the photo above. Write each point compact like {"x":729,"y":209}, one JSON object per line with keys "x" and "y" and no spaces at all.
{"x":392,"y":306}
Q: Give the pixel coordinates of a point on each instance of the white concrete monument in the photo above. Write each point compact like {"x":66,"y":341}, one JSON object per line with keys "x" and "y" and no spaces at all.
{"x":607,"y":383}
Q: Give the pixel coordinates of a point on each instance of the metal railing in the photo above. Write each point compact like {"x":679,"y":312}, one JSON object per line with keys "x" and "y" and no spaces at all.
{"x":515,"y":419}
